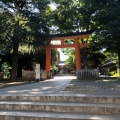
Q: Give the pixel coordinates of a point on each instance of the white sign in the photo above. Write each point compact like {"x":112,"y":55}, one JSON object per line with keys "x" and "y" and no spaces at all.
{"x":37,"y":71}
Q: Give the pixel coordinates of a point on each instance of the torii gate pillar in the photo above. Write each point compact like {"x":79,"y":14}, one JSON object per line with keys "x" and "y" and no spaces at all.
{"x":77,"y":54}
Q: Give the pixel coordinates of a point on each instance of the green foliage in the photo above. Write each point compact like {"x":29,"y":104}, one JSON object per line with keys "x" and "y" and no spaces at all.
{"x":101,"y":16}
{"x":68,"y":17}
{"x":27,"y":27}
{"x":116,"y":75}
{"x":70,"y":62}
{"x":107,"y":31}
{"x":31,"y":26}
{"x":108,"y":22}
{"x":6,"y":68}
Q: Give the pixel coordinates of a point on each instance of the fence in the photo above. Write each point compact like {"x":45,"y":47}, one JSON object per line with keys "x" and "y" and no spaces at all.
{"x":30,"y":75}
{"x":1,"y":75}
{"x":87,"y":74}
{"x":43,"y":74}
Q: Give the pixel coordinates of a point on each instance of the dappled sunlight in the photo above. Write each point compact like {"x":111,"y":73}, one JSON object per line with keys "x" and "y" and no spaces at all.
{"x":18,"y":91}
{"x":35,"y":91}
{"x":96,"y":118}
{"x":64,"y":85}
{"x":74,"y":94}
{"x":65,"y":77}
{"x":107,"y":80}
{"x":46,"y":88}
{"x":4,"y":113}
{"x":16,"y":102}
{"x":12,"y":91}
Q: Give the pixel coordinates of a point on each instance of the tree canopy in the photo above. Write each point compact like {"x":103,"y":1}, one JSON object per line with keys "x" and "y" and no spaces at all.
{"x":30,"y":23}
{"x":107,"y":33}
{"x":103,"y":17}
{"x":26,"y":27}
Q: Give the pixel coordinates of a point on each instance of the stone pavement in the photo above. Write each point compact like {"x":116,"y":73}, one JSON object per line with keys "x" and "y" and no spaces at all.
{"x":63,"y":85}
{"x":48,"y":100}
{"x":51,"y":86}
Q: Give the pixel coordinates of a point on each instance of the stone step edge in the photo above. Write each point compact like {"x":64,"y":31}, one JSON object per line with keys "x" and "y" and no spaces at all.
{"x":63,"y":98}
{"x":62,"y":108}
{"x":54,"y":103}
{"x":23,"y":115}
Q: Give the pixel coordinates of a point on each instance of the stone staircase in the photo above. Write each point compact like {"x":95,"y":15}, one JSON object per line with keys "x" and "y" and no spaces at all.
{"x":60,"y":107}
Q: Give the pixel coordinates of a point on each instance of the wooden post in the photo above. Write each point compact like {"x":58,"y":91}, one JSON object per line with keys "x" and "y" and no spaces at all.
{"x":77,"y":52}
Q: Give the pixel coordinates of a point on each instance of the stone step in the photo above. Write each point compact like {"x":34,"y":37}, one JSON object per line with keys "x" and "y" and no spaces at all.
{"x":99,"y":108}
{"x":23,"y":115}
{"x":65,"y":98}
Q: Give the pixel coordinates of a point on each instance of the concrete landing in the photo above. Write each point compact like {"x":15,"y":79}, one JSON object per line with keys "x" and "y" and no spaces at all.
{"x":50,"y":86}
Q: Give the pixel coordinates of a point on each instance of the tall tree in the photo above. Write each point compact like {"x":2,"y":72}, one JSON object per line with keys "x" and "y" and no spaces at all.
{"x":102,"y":16}
{"x":23,"y":27}
{"x":74,"y":16}
{"x":108,"y":27}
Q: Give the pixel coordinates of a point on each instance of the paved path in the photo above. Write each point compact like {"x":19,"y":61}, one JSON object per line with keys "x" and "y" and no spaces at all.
{"x":57,"y":85}
{"x":51,"y":86}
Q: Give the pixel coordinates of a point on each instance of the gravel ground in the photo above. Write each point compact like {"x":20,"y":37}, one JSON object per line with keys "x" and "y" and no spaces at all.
{"x":99,"y":86}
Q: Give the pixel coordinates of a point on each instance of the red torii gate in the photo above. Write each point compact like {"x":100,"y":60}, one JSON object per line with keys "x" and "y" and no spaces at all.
{"x":75,"y":45}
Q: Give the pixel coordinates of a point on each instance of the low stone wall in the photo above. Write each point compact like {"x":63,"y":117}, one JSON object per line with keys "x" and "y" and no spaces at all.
{"x":87,"y":74}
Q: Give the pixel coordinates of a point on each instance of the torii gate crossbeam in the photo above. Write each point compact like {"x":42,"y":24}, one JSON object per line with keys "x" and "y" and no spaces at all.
{"x":75,"y":45}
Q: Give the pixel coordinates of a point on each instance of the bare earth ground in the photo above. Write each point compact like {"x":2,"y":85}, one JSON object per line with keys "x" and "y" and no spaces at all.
{"x":8,"y":83}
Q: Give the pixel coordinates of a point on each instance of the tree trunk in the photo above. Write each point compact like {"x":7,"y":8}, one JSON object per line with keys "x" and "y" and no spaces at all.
{"x":119,"y":62}
{"x":14,"y":62}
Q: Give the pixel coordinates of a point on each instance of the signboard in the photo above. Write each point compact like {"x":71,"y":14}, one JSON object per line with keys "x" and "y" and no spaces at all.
{"x":37,"y":71}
